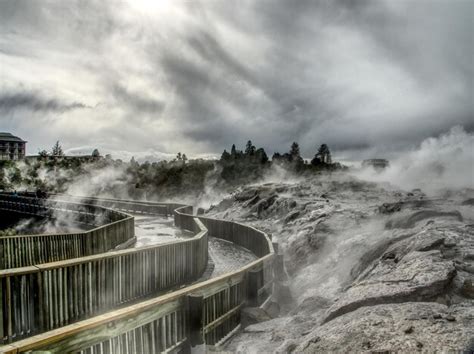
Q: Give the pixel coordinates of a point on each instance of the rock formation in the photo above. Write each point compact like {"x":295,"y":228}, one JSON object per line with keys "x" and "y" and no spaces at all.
{"x":370,"y":268}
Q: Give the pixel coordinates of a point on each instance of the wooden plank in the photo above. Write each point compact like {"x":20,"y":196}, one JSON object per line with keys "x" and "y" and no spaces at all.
{"x":93,"y":336}
{"x":195,"y":305}
{"x":219,"y":320}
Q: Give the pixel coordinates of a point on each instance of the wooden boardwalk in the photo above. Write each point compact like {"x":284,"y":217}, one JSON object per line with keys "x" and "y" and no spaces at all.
{"x":80,"y":304}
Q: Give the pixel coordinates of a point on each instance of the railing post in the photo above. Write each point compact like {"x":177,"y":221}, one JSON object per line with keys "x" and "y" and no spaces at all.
{"x":275,"y":247}
{"x":2,"y":258}
{"x":252,"y":287}
{"x":279,"y":267}
{"x":195,"y":305}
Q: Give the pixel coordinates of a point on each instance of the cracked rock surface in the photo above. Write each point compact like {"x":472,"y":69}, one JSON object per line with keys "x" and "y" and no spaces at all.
{"x":410,"y":326}
{"x":419,"y":276}
{"x":370,"y":268}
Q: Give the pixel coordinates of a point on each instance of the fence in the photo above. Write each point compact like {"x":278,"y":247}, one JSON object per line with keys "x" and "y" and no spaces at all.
{"x":39,"y":298}
{"x":206,"y":312}
{"x":134,"y":206}
{"x":110,"y":229}
{"x":143,"y":207}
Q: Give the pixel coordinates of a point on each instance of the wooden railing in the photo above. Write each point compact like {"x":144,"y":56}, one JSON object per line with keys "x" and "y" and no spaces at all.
{"x":131,"y":206}
{"x":110,"y":228}
{"x":206,"y":312}
{"x":45,"y":296}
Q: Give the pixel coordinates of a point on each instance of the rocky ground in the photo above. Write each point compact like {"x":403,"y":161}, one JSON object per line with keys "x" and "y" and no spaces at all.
{"x":370,"y":267}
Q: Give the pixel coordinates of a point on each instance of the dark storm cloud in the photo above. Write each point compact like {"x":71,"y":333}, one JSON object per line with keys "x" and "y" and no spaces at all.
{"x":360,"y":74}
{"x":406,"y":38}
{"x":33,"y":102}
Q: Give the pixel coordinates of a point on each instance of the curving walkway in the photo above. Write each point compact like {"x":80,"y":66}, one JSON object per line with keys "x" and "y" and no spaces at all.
{"x":225,"y":256}
{"x":154,"y":230}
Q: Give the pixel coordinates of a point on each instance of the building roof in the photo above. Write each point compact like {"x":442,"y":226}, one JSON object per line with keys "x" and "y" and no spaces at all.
{"x":10,"y":137}
{"x":376,"y":162}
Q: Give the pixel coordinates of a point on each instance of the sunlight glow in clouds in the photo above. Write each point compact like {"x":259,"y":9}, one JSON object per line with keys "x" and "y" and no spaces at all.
{"x":155,"y":6}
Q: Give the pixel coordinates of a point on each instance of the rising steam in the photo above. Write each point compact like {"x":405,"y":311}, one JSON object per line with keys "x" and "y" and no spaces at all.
{"x":438,"y":164}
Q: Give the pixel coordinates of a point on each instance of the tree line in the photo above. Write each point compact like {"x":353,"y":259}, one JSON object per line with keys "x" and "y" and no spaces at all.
{"x":321,"y":157}
{"x":57,"y":151}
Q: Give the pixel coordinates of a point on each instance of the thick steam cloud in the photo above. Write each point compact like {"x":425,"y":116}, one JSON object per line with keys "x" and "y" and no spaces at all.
{"x":438,"y":164}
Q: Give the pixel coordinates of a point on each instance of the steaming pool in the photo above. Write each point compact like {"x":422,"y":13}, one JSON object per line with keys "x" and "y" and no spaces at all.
{"x":33,"y":225}
{"x":152,"y":230}
{"x":225,"y":256}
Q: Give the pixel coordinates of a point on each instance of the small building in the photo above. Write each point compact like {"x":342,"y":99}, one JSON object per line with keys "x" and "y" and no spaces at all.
{"x":12,"y":148}
{"x":376,"y":163}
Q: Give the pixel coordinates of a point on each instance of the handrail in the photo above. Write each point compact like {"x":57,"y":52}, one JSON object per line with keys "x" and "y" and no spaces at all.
{"x":80,"y":336}
{"x":42,"y":297}
{"x":121,"y":204}
{"x":205,"y":312}
{"x":113,"y":229}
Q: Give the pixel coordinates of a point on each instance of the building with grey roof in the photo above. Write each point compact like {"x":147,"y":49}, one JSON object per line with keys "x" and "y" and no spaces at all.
{"x":11,"y":147}
{"x":376,"y":163}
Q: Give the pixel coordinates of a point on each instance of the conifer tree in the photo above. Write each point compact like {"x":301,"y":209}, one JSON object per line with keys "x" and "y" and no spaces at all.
{"x":295,"y":150}
{"x":225,"y":156}
{"x":324,"y":154}
{"x":249,"y":149}
{"x":57,"y":150}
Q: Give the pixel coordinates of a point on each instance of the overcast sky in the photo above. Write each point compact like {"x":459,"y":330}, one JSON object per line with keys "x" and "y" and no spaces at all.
{"x":151,"y":76}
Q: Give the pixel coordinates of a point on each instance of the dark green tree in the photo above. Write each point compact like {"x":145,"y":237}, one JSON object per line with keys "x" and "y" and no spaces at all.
{"x":261,"y":155}
{"x":43,"y":153}
{"x":57,"y":150}
{"x":95,"y":153}
{"x":249,"y":149}
{"x":315,"y":161}
{"x":324,"y":155}
{"x":16,"y":178}
{"x":294,"y":154}
{"x":225,"y":156}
